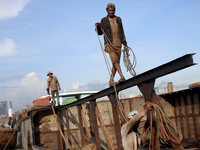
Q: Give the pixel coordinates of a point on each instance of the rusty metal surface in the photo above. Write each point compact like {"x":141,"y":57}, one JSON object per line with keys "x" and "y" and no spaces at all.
{"x":117,"y":125}
{"x":67,"y":126}
{"x":186,"y":104}
{"x":170,"y":101}
{"x":184,"y":111}
{"x":95,"y":124}
{"x":81,"y":125}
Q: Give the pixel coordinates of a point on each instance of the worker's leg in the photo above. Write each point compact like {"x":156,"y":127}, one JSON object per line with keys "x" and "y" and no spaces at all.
{"x":118,"y":68}
{"x":53,"y":97}
{"x":112,"y":75}
{"x":57,"y":95}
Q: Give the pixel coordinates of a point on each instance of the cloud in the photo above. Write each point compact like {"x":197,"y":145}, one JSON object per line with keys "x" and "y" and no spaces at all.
{"x":93,"y":85}
{"x":78,"y":86}
{"x":11,"y":8}
{"x":7,"y":47}
{"x":23,"y":92}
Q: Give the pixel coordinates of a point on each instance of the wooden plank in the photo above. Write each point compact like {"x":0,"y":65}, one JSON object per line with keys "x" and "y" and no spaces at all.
{"x":113,"y":101}
{"x":95,"y":124}
{"x":81,"y":124}
{"x":107,"y":137}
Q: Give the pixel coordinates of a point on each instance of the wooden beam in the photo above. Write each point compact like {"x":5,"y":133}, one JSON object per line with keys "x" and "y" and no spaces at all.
{"x":107,"y":137}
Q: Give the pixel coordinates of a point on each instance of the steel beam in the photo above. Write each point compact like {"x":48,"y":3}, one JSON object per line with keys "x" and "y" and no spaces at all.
{"x":170,"y":67}
{"x":113,"y":101}
{"x":81,"y":125}
{"x":95,"y":124}
{"x":68,"y":127}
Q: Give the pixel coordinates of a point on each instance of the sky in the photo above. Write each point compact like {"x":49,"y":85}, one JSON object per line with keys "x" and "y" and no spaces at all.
{"x":59,"y":36}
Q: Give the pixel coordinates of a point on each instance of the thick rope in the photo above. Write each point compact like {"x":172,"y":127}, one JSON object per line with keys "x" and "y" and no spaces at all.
{"x":127,"y":63}
{"x":162,"y":119}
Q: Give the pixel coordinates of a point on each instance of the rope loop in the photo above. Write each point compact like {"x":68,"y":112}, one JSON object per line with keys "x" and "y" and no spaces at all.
{"x":163,"y":123}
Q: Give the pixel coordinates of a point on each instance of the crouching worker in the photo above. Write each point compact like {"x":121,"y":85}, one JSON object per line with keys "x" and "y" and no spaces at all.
{"x":54,"y":85}
{"x":131,"y":139}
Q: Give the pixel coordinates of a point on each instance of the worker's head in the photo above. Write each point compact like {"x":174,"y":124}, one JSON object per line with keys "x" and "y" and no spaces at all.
{"x":110,"y":9}
{"x":132,"y":113}
{"x":49,"y":74}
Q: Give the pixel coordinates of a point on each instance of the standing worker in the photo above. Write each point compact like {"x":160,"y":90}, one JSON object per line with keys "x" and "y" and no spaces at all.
{"x":112,"y":26}
{"x":54,"y":85}
{"x":131,"y":139}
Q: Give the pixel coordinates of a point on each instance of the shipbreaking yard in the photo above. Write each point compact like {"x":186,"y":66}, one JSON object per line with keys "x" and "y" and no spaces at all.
{"x":87,"y":124}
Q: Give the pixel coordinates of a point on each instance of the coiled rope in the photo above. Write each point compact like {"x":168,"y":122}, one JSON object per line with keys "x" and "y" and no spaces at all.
{"x":126,"y":59}
{"x":162,"y":123}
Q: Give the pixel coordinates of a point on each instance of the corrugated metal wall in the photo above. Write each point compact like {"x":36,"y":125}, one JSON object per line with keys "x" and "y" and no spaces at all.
{"x":186,"y":105}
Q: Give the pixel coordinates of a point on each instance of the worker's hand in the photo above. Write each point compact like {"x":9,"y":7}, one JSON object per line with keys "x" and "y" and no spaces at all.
{"x":149,"y":107}
{"x":127,"y":50}
{"x":48,"y":91}
{"x":98,"y":25}
{"x":59,"y":88}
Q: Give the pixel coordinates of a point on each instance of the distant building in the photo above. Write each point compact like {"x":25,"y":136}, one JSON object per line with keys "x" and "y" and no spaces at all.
{"x":121,"y":96}
{"x":10,"y":112}
{"x":156,"y":89}
{"x":4,"y":107}
{"x":164,"y":89}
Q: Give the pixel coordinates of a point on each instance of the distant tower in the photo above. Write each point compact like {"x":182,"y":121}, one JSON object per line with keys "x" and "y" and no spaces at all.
{"x":156,"y":89}
{"x":170,"y":87}
{"x":4,"y":107}
{"x":164,"y":89}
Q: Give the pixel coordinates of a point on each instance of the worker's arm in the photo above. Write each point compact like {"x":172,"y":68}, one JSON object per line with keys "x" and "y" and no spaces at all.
{"x":48,"y":85}
{"x":58,"y":84}
{"x":122,"y":34}
{"x":127,"y":126}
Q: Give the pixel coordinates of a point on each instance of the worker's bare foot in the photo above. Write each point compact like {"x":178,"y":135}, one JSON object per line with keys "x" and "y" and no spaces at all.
{"x":111,"y":84}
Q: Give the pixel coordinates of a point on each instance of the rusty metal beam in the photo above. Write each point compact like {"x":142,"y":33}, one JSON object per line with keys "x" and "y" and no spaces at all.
{"x":81,"y":125}
{"x":113,"y":101}
{"x":170,"y":67}
{"x":95,"y":124}
{"x":187,"y":117}
{"x":68,"y":127}
{"x":194,"y":118}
